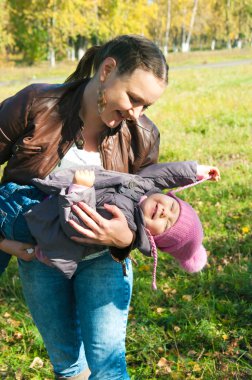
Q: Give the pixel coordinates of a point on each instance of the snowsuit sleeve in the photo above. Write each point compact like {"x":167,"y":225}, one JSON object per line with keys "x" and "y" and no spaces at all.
{"x":48,"y":223}
{"x":171,"y":174}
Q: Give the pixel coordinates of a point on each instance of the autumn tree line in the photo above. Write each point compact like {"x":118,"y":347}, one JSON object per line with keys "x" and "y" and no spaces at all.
{"x":37,"y":30}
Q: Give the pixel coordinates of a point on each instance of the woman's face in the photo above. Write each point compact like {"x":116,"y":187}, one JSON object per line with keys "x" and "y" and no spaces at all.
{"x":127,"y":96}
{"x":160,"y":212}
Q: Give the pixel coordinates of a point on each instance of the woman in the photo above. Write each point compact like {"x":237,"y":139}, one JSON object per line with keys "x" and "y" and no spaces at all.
{"x":96,"y":117}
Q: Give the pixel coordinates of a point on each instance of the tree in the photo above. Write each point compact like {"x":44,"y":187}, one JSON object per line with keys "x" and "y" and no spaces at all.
{"x":189,"y":35}
{"x":122,"y":17}
{"x":168,"y":26}
{"x":6,"y":40}
{"x":27,"y":30}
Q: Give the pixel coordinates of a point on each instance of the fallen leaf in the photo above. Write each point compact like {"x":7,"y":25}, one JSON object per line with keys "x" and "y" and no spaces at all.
{"x":173,"y":310}
{"x":196,"y":368}
{"x":191,"y":353}
{"x":187,"y":297}
{"x":37,"y":363}
{"x":160,"y":310}
{"x":17,"y":335}
{"x":18,"y":374}
{"x":13,"y":322}
{"x":164,"y":365}
{"x":162,"y":362}
{"x":144,"y":268}
{"x":176,"y":328}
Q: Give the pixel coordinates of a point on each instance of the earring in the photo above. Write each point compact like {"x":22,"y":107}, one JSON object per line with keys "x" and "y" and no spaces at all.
{"x":101,"y":100}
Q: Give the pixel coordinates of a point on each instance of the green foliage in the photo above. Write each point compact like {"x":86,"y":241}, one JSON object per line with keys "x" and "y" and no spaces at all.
{"x":194,"y":326}
{"x":38,"y":28}
{"x":6,"y":39}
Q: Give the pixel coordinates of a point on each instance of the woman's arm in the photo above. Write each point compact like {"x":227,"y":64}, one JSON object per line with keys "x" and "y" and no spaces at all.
{"x":114,"y":232}
{"x":18,"y":249}
{"x":13,"y":120}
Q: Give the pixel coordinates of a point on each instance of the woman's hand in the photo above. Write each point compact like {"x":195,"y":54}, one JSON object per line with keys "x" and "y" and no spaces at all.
{"x":204,"y":171}
{"x":114,"y":232}
{"x":18,"y":249}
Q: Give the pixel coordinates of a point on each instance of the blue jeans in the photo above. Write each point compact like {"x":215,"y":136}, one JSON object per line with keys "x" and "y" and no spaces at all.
{"x":83,"y":320}
{"x":14,"y":201}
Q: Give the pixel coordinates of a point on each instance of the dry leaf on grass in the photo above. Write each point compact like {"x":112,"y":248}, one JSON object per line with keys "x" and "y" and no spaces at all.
{"x":187,"y":297}
{"x":17,"y":335}
{"x":164,"y":366}
{"x":160,"y":310}
{"x":18,"y":375}
{"x":37,"y":363}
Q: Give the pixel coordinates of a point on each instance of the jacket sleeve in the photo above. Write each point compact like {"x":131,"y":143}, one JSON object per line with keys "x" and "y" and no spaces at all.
{"x":173,"y":174}
{"x":14,"y":113}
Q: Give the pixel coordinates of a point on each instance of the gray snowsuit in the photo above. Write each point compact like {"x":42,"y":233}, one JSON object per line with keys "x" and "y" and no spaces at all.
{"x":48,"y":221}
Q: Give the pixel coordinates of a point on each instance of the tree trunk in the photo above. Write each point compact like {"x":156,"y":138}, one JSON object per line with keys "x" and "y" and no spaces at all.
{"x":183,"y":45}
{"x":52,"y":57}
{"x":239,"y":44}
{"x":72,"y":54}
{"x":228,"y":6}
{"x":195,"y":7}
{"x":213,"y":44}
{"x":81,"y":52}
{"x":168,"y":25}
{"x":51,"y":36}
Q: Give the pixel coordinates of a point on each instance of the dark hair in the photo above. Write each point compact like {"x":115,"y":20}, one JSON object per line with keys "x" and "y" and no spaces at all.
{"x":130,"y":52}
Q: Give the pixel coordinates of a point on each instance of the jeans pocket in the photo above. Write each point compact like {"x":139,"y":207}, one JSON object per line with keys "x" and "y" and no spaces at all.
{"x":8,"y":218}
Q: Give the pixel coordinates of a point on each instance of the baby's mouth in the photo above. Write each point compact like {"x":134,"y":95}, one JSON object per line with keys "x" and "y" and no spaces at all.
{"x":158,"y":212}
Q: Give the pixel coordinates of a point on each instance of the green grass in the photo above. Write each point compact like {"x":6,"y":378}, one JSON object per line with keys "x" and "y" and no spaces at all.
{"x":194,"y":326}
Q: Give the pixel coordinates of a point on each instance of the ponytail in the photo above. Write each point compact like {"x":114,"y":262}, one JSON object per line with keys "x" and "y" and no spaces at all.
{"x":85,"y":66}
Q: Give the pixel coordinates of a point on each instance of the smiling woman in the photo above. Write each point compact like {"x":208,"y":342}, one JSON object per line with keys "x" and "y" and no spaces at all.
{"x":126,"y":96}
{"x":96,"y":117}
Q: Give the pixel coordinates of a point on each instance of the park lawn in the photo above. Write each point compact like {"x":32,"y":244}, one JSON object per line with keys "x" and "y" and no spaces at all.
{"x":13,"y":77}
{"x":194,"y":326}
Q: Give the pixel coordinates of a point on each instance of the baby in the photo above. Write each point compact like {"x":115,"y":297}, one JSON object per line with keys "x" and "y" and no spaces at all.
{"x":171,"y":224}
{"x":139,"y":197}
{"x":156,"y":219}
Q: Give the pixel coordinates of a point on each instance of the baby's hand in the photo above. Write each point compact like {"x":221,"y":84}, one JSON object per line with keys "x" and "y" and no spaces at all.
{"x":204,"y":171}
{"x":84,"y":178}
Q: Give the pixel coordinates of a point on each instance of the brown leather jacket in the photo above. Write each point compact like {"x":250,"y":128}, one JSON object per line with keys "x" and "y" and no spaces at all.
{"x":41,"y":122}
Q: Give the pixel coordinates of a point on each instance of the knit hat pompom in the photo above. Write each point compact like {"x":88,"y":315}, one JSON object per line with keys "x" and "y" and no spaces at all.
{"x":196,"y":262}
{"x":184,"y":239}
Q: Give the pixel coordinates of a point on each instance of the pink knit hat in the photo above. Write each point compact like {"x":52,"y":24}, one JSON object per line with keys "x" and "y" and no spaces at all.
{"x":183,"y":240}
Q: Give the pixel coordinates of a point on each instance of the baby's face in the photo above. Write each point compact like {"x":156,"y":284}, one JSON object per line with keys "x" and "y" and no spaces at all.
{"x":160,"y":212}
